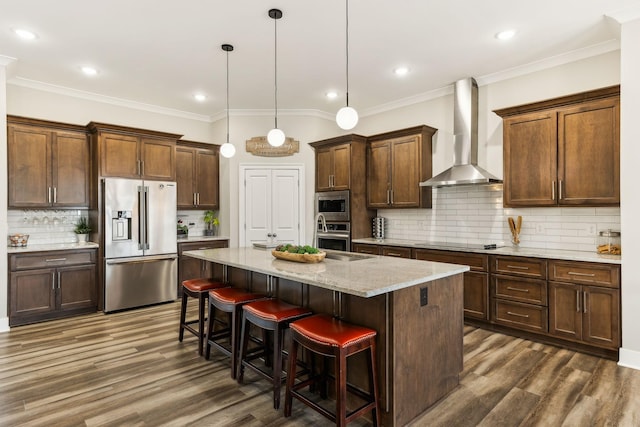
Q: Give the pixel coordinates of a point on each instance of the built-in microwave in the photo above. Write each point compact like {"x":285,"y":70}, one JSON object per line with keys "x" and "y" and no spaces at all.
{"x":334,"y":205}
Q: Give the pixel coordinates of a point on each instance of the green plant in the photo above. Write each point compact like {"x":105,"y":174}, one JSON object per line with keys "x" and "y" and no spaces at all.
{"x":211,"y":219}
{"x":82,"y":226}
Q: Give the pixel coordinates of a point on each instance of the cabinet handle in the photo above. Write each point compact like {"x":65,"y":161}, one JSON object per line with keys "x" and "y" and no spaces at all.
{"x":202,"y":249}
{"x":55,"y":259}
{"x":142,"y":167}
{"x":138,"y":164}
{"x":517,"y":289}
{"x":578,"y":301}
{"x":391,"y":191}
{"x":553,"y":190}
{"x":194,"y":199}
{"x":560,"y":190}
{"x":49,"y":195}
{"x":394,"y":254}
{"x":198,"y":198}
{"x":517,"y":267}
{"x":333,"y":181}
{"x":575,"y":273}
{"x":53,"y":280}
{"x":55,"y":194}
{"x":526,"y":316}
{"x":584,"y":301}
{"x":388,"y":197}
{"x":58,"y":280}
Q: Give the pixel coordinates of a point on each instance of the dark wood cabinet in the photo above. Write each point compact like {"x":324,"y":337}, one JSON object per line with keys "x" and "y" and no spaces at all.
{"x":134,"y":153}
{"x":333,"y":168}
{"x":197,"y":175}
{"x":193,"y":268}
{"x":396,"y":163}
{"x":395,"y":251}
{"x":582,"y":312}
{"x":48,"y":164}
{"x":564,"y":151}
{"x":50,"y":285}
{"x":476,"y":281}
{"x":364,"y":248}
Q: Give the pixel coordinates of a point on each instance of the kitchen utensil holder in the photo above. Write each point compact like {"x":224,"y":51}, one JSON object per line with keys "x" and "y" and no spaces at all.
{"x":379,"y":224}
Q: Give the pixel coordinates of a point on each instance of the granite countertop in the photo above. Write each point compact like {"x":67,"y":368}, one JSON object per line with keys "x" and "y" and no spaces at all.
{"x":192,"y":239}
{"x":507,"y":250}
{"x":368,"y":276}
{"x":51,"y":247}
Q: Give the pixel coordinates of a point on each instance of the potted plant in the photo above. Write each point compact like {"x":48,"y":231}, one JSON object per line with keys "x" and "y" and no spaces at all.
{"x":212,"y":222}
{"x":82,"y":230}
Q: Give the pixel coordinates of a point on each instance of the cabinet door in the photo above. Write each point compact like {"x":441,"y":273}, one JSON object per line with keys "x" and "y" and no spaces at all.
{"x":76,"y":287}
{"x":324,"y":169}
{"x":379,"y":175}
{"x":32,"y":293}
{"x":70,"y":169}
{"x":530,"y":159}
{"x":601,"y":320}
{"x":589,"y":154}
{"x":29,"y":167}
{"x":341,"y":167}
{"x":395,"y":251}
{"x":207,"y":179}
{"x":158,"y":159}
{"x":364,"y":248}
{"x":565,"y":310}
{"x":119,"y":155}
{"x":405,"y":172}
{"x":185,"y":177}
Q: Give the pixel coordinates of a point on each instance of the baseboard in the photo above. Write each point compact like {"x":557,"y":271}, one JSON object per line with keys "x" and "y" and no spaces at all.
{"x":629,"y":358}
{"x":4,"y":324}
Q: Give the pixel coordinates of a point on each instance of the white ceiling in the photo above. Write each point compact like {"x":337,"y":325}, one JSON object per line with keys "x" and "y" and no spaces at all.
{"x":161,"y":52}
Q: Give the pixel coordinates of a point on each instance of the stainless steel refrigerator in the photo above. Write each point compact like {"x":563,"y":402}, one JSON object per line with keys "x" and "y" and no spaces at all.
{"x":141,"y":261}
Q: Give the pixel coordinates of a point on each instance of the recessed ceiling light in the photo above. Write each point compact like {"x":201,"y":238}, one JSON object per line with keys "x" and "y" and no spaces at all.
{"x":401,"y":71}
{"x":89,"y":71}
{"x":200,"y":97}
{"x":506,"y":34}
{"x":332,"y":95}
{"x":24,"y":34}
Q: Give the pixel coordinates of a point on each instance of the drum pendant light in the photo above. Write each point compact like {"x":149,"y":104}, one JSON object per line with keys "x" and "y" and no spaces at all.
{"x":347,"y":117}
{"x":275,"y":137}
{"x":227,"y":150}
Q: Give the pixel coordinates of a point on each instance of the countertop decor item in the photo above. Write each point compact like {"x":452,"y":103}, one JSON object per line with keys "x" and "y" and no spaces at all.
{"x":308,"y":258}
{"x":82,"y":230}
{"x":18,"y":240}
{"x":515,"y":226}
{"x":609,"y":242}
{"x":212,"y":222}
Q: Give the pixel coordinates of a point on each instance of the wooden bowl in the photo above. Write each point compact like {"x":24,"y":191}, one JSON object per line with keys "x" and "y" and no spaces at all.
{"x":308,"y":258}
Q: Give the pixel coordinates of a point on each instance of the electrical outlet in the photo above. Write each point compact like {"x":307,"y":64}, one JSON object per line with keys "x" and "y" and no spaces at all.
{"x":539,"y":229}
{"x":424,"y":296}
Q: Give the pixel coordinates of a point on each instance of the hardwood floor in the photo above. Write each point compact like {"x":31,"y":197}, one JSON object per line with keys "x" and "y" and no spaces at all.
{"x":128,"y":369}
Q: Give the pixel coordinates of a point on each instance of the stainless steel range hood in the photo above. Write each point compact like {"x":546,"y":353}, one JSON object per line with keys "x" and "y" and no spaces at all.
{"x":465,"y":169}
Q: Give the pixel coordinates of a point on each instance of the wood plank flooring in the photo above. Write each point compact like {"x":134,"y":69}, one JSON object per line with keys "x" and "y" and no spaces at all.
{"x":128,"y":369}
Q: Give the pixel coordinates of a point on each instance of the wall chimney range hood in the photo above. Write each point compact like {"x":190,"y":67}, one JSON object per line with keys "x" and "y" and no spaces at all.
{"x":465,"y":169}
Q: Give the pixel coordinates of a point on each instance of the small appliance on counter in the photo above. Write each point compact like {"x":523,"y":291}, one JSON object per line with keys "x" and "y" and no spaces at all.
{"x":379,"y":224}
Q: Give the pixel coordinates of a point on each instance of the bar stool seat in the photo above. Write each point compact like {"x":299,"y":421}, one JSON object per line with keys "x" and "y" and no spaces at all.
{"x":269,"y":315}
{"x":196,"y":288}
{"x":227,"y":300}
{"x":327,"y":336}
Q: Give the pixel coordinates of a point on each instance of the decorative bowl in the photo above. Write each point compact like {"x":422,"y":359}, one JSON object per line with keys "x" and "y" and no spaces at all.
{"x":18,"y":240}
{"x":308,"y":258}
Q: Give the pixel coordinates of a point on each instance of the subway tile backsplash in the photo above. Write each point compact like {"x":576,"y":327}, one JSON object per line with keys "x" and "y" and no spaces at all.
{"x":474,"y":214}
{"x":45,"y":226}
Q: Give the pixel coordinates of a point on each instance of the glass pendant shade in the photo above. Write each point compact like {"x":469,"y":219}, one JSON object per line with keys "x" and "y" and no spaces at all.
{"x":227,"y":150}
{"x":275,"y":137}
{"x":347,"y":118}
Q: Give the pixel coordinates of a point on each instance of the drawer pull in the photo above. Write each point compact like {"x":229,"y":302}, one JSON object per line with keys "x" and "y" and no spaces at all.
{"x":526,"y":316}
{"x":517,"y":267}
{"x":394,"y":254}
{"x":55,"y":259}
{"x":575,"y":273}
{"x":517,"y":289}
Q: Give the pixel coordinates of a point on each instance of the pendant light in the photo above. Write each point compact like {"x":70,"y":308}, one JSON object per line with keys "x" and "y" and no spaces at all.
{"x":347,"y":117}
{"x":275,"y":137}
{"x":227,"y":150}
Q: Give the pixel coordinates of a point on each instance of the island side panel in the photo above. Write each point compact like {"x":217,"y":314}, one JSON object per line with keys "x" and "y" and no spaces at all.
{"x":427,"y":346}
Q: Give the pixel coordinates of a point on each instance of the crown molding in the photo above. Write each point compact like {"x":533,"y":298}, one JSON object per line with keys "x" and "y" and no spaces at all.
{"x":6,"y":60}
{"x":405,"y":102}
{"x":270,"y":113}
{"x":625,"y":15}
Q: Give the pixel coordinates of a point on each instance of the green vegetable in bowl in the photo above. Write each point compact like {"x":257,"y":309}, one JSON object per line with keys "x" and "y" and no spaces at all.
{"x":288,"y":247}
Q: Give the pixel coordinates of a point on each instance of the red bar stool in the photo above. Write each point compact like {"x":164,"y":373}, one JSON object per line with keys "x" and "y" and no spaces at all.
{"x":227,"y":300}
{"x":331,"y":337}
{"x":196,"y":288}
{"x":269,"y":315}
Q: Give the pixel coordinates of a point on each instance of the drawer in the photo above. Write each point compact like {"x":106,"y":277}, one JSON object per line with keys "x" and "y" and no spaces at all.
{"x":521,"y":316}
{"x":396,"y":251}
{"x":364,"y":248}
{"x":532,"y":291}
{"x":583,"y":272}
{"x":194,"y":246}
{"x":51,"y":259}
{"x":477,"y":262}
{"x":519,"y":266}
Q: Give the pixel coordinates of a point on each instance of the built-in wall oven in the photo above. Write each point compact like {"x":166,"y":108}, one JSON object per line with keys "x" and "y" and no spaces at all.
{"x":334,"y":205}
{"x":337,"y":236}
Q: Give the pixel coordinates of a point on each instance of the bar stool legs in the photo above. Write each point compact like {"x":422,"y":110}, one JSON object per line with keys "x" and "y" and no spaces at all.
{"x":199,"y":289}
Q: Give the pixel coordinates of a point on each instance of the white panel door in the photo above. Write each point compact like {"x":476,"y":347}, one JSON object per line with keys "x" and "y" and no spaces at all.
{"x":272,"y":206}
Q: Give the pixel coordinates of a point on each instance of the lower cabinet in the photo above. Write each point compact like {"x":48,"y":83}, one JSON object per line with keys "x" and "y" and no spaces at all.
{"x":364,"y":248}
{"x":193,"y":268}
{"x":51,"y":285}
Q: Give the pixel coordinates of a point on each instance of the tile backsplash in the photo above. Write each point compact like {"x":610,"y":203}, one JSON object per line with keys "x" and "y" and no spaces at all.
{"x":45,"y":226}
{"x":474,"y":214}
{"x":194,"y":220}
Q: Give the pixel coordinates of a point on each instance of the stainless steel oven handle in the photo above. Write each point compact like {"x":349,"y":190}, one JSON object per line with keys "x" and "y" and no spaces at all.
{"x":334,"y":235}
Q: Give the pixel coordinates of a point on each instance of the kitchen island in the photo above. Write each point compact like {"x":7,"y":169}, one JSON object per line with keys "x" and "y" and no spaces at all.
{"x":416,"y":307}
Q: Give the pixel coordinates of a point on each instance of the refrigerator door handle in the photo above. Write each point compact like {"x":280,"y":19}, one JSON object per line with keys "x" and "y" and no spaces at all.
{"x":142,"y":223}
{"x":146,"y":218}
{"x":139,"y":260}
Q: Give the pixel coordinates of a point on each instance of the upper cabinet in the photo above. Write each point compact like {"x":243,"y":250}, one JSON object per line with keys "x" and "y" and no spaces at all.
{"x":339,"y":162}
{"x":396,"y":163}
{"x":564,"y":151}
{"x":48,"y":164}
{"x":197,"y":175}
{"x":134,"y":153}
